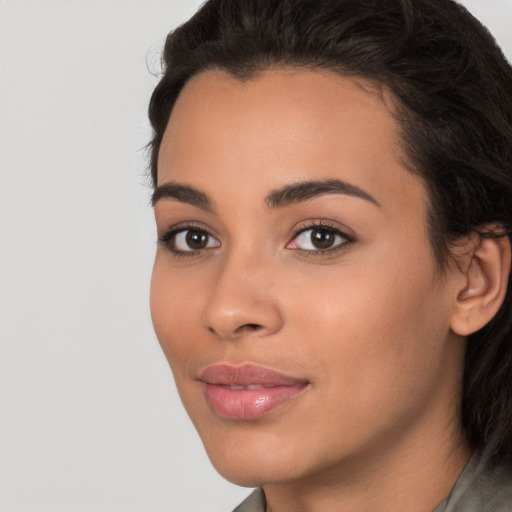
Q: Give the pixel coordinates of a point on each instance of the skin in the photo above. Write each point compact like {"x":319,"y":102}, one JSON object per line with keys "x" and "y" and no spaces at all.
{"x":366,"y":324}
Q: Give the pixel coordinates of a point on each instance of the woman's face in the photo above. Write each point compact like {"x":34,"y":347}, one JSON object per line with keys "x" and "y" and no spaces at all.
{"x":294,"y":291}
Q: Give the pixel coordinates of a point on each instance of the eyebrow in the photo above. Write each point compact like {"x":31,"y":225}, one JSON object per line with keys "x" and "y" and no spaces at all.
{"x":304,"y":190}
{"x":183,"y":194}
{"x":280,"y":198}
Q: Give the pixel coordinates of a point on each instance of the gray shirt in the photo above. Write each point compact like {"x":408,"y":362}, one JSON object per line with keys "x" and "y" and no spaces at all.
{"x":479,"y":489}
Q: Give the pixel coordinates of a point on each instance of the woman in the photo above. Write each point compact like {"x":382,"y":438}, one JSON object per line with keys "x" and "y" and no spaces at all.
{"x":333,"y":198}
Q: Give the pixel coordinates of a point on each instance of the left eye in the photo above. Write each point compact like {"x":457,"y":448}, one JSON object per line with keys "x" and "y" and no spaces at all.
{"x":318,"y":239}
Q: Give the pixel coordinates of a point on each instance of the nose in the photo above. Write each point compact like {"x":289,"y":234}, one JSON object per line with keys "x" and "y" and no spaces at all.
{"x":243,"y":302}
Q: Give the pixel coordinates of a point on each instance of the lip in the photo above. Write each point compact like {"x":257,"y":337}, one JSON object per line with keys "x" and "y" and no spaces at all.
{"x":248,"y":391}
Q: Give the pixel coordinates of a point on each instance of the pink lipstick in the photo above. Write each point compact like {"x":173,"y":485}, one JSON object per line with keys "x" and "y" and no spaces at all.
{"x":247,"y":391}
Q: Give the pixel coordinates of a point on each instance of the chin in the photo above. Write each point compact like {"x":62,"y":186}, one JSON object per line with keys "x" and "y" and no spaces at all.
{"x":254,"y":471}
{"x":250,"y":456}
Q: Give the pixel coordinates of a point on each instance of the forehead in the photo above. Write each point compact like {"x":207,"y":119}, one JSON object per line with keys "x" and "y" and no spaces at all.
{"x":284,"y":126}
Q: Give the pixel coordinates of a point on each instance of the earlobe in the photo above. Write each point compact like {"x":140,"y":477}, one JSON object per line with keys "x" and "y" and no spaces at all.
{"x":485,"y":279}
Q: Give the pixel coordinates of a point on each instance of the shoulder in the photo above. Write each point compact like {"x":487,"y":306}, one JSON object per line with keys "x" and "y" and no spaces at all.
{"x":482,"y":488}
{"x":255,"y":502}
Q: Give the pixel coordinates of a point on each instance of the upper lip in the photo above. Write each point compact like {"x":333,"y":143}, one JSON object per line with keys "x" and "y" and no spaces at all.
{"x":247,"y":374}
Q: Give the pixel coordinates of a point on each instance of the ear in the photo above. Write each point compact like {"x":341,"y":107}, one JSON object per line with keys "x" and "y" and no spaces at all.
{"x":483,"y":284}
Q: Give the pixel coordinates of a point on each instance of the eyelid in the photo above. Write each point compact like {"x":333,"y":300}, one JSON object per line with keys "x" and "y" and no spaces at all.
{"x":335,"y":227}
{"x":168,"y":237}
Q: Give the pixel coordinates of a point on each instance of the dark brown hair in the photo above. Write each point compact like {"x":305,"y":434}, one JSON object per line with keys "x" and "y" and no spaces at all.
{"x":454,"y":92}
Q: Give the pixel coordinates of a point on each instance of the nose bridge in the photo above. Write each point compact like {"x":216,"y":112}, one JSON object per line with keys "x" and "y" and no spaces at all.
{"x":242,"y":302}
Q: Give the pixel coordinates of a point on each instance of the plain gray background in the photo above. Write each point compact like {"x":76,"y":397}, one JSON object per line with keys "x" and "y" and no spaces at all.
{"x":89,"y":418}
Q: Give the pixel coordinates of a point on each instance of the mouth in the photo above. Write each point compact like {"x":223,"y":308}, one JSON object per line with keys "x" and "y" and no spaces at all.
{"x":248,"y":391}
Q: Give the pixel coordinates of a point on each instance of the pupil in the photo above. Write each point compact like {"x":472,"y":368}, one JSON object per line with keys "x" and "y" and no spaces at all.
{"x":196,"y":239}
{"x":322,"y":239}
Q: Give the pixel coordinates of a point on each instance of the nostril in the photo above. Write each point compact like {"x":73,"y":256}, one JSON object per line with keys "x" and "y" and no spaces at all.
{"x":245,"y":328}
{"x":249,"y":327}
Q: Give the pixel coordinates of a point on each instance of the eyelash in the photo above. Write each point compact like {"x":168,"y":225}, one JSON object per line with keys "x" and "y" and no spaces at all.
{"x":168,"y":240}
{"x":332,"y":229}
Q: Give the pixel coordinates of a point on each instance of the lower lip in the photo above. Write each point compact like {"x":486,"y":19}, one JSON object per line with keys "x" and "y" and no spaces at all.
{"x":247,"y":404}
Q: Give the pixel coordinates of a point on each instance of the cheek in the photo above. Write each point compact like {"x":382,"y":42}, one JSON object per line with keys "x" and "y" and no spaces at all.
{"x":376,"y":331}
{"x":174,"y":311}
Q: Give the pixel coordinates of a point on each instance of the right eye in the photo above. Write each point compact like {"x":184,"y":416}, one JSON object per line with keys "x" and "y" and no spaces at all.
{"x":190,"y":240}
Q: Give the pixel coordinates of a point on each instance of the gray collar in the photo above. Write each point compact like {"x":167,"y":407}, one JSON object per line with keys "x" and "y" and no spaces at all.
{"x":480,"y":488}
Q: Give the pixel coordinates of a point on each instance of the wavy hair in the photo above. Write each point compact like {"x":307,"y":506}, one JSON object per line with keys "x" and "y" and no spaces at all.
{"x":453,"y":89}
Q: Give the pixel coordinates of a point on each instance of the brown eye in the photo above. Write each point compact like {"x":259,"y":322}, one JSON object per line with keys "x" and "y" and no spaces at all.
{"x":190,"y":240}
{"x":322,"y":238}
{"x":196,"y":239}
{"x":319,"y":239}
